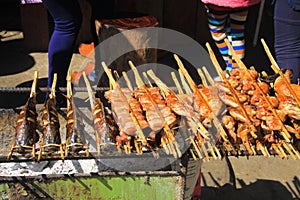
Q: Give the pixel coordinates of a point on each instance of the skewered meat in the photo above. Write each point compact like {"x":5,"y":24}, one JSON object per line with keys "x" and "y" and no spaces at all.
{"x":50,"y":120}
{"x":73,"y":128}
{"x":26,"y":125}
{"x":26,"y":135}
{"x":152,"y":116}
{"x":179,"y":108}
{"x":121,"y":112}
{"x":51,"y":140}
{"x":229,"y":124}
{"x":103,"y":132}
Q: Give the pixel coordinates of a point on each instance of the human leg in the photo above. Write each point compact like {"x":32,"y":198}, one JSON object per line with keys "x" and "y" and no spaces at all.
{"x":287,"y":37}
{"x":237,"y":33}
{"x":67,"y":21}
{"x":217,"y":23}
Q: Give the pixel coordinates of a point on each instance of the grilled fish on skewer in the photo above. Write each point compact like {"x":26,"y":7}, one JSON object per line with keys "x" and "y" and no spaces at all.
{"x":51,"y":140}
{"x":74,"y":141}
{"x":101,"y":126}
{"x":26,"y":136}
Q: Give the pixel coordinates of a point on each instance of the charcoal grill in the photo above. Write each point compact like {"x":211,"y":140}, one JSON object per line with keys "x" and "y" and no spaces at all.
{"x":80,"y":176}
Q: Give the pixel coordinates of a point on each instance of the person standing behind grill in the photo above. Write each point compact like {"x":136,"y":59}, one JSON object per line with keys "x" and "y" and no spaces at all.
{"x":287,"y":35}
{"x":226,"y":19}
{"x":67,"y":19}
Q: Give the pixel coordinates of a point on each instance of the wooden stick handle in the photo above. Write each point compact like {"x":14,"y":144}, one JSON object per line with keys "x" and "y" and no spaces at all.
{"x":90,"y":91}
{"x":127,"y":81}
{"x":276,"y":69}
{"x":178,"y":86}
{"x":34,"y":84}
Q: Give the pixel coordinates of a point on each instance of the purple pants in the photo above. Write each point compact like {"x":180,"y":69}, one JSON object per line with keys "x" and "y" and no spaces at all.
{"x":287,"y":37}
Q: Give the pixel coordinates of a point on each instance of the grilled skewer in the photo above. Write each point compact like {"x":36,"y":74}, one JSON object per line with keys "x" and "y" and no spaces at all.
{"x":101,"y":127}
{"x":26,"y":136}
{"x":74,"y":127}
{"x":159,"y":110}
{"x":127,"y":111}
{"x":178,"y":105}
{"x":51,"y":139}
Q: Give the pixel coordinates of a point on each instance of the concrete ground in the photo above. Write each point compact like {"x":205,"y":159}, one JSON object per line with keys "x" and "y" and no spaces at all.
{"x":234,"y":178}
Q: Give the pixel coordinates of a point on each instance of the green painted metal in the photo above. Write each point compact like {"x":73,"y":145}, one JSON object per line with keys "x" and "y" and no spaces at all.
{"x":103,"y":187}
{"x":3,"y":191}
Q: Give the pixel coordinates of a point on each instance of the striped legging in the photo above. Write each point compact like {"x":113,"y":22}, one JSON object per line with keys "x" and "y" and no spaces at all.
{"x":228,"y":23}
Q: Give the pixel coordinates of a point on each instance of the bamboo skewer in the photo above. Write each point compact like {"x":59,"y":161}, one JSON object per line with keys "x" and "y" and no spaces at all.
{"x":194,"y":86}
{"x":51,"y":95}
{"x":177,"y":84}
{"x":184,"y":83}
{"x":139,"y":132}
{"x":167,"y":91}
{"x":127,"y":80}
{"x":169,"y":133}
{"x":92,"y":104}
{"x":285,"y":132}
{"x":69,"y":87}
{"x":202,"y":130}
{"x":202,"y":77}
{"x":69,"y":97}
{"x":297,"y":153}
{"x":117,"y":76}
{"x":168,"y":139}
{"x":147,"y":81}
{"x":32,"y":95}
{"x":191,"y":82}
{"x":34,"y":85}
{"x":276,"y":69}
{"x":208,"y":76}
{"x":197,"y":91}
{"x":216,"y":121}
{"x":89,"y":91}
{"x":218,"y":125}
{"x":221,"y":74}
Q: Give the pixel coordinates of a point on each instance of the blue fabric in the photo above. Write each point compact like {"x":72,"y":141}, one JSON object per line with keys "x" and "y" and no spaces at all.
{"x":241,"y":47}
{"x":295,"y":4}
{"x":67,"y":21}
{"x":287,"y":37}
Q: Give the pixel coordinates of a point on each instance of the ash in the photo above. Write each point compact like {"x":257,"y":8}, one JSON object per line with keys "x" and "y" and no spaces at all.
{"x":84,"y":166}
